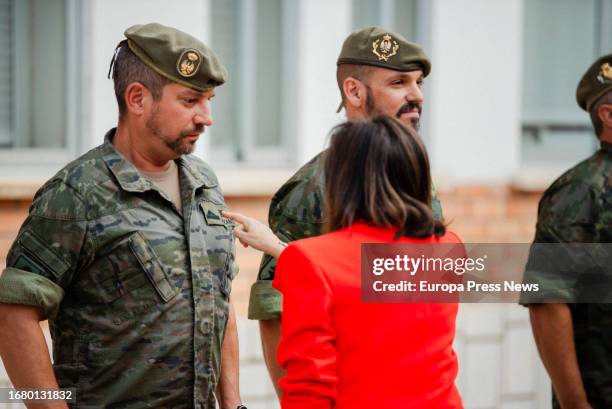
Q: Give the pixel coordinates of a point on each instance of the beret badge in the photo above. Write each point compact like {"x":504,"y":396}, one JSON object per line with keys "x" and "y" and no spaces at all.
{"x":385,"y":47}
{"x":605,"y":73}
{"x":189,"y":62}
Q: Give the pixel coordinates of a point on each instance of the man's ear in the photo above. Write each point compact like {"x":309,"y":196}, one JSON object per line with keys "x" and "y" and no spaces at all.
{"x":136,"y":96}
{"x":604,"y":112}
{"x":355,"y":92}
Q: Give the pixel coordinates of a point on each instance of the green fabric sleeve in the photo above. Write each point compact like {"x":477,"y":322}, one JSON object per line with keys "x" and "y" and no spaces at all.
{"x":22,"y":287}
{"x":265,"y":302}
{"x":563,"y":222}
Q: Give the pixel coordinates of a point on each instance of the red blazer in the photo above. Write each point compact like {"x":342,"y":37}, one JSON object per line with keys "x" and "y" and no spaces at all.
{"x":340,"y":353}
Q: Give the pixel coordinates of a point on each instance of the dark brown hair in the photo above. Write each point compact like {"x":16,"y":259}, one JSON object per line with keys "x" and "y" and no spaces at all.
{"x":377,"y":171}
{"x":128,"y":68}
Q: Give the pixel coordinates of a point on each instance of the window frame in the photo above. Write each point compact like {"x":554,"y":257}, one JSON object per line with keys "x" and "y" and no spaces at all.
{"x":538,"y":126}
{"x":243,"y":149}
{"x":20,"y":162}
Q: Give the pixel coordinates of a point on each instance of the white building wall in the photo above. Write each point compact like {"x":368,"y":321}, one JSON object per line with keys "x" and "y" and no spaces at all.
{"x":473,"y":94}
{"x":475,"y":97}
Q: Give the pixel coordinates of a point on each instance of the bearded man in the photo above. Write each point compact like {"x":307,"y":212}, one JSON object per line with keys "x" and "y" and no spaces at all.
{"x":379,"y":72}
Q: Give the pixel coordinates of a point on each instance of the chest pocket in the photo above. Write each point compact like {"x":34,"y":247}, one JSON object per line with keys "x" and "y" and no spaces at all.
{"x":219,"y":239}
{"x":152,"y":267}
{"x":131,"y":271}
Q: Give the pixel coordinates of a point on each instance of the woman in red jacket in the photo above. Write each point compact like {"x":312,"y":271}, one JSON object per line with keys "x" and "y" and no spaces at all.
{"x":338,"y":351}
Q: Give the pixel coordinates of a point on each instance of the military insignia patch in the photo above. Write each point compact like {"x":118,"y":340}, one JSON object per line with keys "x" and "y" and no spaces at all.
{"x":385,"y":47}
{"x":210,"y":215}
{"x":189,"y":62}
{"x":605,"y":73}
{"x":213,"y":216}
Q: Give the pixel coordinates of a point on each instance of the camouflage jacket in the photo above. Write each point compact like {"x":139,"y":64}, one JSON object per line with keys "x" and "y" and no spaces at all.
{"x":296,"y":212}
{"x":137,"y":294}
{"x":577,"y":208}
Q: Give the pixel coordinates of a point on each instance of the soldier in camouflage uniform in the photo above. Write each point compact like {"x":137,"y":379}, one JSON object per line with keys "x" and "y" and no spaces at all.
{"x":575,"y":339}
{"x":379,"y":72}
{"x":133,"y":271}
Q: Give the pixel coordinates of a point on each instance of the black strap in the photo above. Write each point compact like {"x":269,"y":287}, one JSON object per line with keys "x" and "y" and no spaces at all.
{"x":112,"y":63}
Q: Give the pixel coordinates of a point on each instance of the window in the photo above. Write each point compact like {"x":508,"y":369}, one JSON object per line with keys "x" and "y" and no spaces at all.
{"x":399,"y":16}
{"x":561,"y":39}
{"x":251,"y":39}
{"x":38,"y":81}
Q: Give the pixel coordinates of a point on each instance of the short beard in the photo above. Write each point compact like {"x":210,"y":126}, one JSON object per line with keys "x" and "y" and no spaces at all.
{"x":407,"y":107}
{"x":372,"y":110}
{"x":174,"y":144}
{"x":178,"y":148}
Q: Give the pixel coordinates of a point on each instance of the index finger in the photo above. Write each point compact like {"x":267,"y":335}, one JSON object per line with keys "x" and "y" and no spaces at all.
{"x":237,"y":217}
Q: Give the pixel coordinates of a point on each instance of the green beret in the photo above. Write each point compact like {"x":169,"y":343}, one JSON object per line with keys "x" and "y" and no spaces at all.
{"x":595,"y":82}
{"x":176,"y":55}
{"x":380,"y":48}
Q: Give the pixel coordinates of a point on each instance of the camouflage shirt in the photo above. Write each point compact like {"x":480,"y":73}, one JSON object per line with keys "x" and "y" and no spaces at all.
{"x":137,"y":294}
{"x":577,"y":208}
{"x":296,"y":212}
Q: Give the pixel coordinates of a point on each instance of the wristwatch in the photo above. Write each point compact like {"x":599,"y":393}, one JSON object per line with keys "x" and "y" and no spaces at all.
{"x":241,"y":407}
